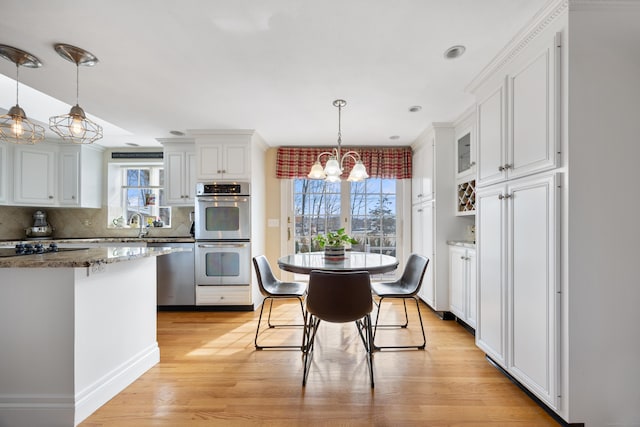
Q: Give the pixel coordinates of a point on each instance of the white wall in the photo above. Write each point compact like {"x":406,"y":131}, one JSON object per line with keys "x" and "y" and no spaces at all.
{"x":604,"y":152}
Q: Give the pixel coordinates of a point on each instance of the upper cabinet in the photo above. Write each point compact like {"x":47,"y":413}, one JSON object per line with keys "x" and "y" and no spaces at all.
{"x":422,"y":180}
{"x":4,"y":173}
{"x":80,"y":176}
{"x":223,"y":161}
{"x":180,"y":172}
{"x":465,"y":148}
{"x":516,"y":120}
{"x":35,"y":180}
{"x":46,"y":174}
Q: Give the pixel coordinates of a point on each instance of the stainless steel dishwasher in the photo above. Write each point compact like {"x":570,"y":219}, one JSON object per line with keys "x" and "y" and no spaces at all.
{"x":176,"y":276}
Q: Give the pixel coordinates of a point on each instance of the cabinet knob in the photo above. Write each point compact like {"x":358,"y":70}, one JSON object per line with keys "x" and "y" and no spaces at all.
{"x":51,"y":197}
{"x":419,"y":195}
{"x":505,"y":196}
{"x":73,"y":197}
{"x":224,"y":171}
{"x":472,"y":164}
{"x":219,"y":171}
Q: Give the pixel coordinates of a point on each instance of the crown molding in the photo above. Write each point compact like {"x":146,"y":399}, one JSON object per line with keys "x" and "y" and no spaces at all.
{"x":540,"y":21}
{"x":602,"y":4}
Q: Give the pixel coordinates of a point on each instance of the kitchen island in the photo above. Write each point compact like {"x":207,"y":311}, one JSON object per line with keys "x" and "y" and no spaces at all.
{"x":76,"y":328}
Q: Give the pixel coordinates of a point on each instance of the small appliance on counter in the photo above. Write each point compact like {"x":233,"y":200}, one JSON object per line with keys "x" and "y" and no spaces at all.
{"x":40,"y":228}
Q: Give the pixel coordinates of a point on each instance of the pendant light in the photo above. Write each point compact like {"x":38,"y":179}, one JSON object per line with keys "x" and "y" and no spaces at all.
{"x":335,"y":164}
{"x":75,"y":126}
{"x":14,"y":126}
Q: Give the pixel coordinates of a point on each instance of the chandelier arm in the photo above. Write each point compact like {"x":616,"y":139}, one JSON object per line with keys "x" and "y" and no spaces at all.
{"x":354,"y":156}
{"x":328,"y":153}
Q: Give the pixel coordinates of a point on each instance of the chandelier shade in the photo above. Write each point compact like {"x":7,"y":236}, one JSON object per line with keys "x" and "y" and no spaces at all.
{"x":15,"y":127}
{"x":334,"y":167}
{"x":75,"y":126}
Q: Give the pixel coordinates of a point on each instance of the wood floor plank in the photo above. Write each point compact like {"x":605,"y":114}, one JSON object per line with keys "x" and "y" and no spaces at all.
{"x":210,"y":374}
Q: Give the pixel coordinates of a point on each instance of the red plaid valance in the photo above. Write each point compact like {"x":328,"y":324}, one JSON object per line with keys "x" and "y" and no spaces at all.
{"x":381,"y":162}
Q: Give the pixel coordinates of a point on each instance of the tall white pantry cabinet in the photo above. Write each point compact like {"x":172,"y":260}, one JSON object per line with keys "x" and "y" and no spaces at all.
{"x":433,"y":218}
{"x":558,"y":290}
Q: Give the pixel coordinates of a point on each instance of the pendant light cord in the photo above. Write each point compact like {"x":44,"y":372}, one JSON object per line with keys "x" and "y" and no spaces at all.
{"x":17,"y":81}
{"x":77,"y":84}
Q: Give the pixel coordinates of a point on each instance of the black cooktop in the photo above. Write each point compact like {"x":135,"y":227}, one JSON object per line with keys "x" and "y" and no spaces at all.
{"x":22,"y":249}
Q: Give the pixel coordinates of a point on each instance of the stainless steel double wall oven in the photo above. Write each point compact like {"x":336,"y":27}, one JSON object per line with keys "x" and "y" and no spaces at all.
{"x":223,"y":234}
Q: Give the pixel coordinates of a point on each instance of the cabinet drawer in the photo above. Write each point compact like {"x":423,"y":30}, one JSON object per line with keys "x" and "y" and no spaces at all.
{"x":223,"y":295}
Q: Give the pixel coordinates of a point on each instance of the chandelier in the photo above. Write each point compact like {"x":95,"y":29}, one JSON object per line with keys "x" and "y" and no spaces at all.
{"x":75,"y":126}
{"x":14,"y":126}
{"x":335,"y":164}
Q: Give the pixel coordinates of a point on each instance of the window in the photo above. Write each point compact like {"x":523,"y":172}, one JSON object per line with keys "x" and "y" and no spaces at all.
{"x":137,"y":189}
{"x":368,"y":210}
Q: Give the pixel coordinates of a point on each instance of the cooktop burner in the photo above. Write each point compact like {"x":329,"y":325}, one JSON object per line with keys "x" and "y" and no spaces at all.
{"x":33,"y":249}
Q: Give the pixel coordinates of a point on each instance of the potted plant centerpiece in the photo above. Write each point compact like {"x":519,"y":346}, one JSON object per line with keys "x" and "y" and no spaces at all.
{"x":333,"y":243}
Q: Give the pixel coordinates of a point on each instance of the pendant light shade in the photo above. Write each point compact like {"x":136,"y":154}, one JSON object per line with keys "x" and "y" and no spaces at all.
{"x":15,"y":127}
{"x":75,"y":126}
{"x":335,"y":164}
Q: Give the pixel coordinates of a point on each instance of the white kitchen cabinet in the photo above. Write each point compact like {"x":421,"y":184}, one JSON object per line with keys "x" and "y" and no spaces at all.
{"x":434,"y":220}
{"x":462,"y":283}
{"x":80,"y":176}
{"x":35,"y":178}
{"x":422,"y":179}
{"x":465,"y":148}
{"x":517,"y":243}
{"x":422,"y":244}
{"x":223,"y":295}
{"x":4,"y":173}
{"x":223,"y":161}
{"x":180,"y":173}
{"x":517,"y":120}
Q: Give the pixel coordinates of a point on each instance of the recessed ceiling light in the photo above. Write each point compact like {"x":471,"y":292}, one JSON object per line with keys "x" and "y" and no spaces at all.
{"x":394,"y":137}
{"x":131,"y":144}
{"x":454,"y":51}
{"x":415,"y":108}
{"x":176,"y":133}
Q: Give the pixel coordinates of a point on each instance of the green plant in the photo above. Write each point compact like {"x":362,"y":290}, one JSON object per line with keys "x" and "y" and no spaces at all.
{"x":334,"y":239}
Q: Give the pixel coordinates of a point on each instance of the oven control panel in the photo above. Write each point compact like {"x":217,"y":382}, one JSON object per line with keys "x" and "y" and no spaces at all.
{"x":222,"y":188}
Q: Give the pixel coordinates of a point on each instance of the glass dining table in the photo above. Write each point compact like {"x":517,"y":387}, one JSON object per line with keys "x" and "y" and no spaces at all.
{"x":303,"y":263}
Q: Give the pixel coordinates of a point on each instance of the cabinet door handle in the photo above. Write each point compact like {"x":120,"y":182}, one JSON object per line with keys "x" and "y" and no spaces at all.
{"x":51,"y":197}
{"x":462,"y":257}
{"x":419,"y":195}
{"x":472,"y":164}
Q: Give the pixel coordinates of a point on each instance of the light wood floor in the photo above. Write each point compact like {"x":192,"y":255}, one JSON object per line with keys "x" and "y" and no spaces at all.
{"x":211,"y":374}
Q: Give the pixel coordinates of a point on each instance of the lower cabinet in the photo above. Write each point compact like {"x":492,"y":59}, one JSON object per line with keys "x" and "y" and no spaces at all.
{"x":462,"y":284}
{"x":422,"y":243}
{"x":223,"y":295}
{"x":518,"y":310}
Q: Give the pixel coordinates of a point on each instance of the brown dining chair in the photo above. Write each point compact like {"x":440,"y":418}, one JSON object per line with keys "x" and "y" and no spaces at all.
{"x":338,"y":297}
{"x":407,"y":287}
{"x":272,"y":288}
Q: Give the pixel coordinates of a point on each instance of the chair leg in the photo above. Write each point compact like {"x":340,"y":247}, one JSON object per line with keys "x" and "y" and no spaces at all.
{"x":310,"y":335}
{"x":260,"y":347}
{"x":366,"y":335}
{"x":375,"y":329}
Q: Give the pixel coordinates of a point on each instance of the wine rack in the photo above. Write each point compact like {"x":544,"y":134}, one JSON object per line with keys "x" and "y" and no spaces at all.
{"x":466,"y":198}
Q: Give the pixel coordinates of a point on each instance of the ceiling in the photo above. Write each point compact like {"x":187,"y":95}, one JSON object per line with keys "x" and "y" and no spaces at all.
{"x":270,"y":65}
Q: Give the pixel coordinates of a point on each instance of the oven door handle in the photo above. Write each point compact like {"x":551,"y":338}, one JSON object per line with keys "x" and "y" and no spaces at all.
{"x":222,"y":199}
{"x":224,"y":245}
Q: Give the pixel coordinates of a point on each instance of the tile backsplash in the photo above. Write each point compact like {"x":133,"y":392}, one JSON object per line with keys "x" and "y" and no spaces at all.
{"x":83,"y":223}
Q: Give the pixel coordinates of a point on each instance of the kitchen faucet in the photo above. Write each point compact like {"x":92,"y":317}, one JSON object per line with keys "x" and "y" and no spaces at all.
{"x":142,"y":231}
